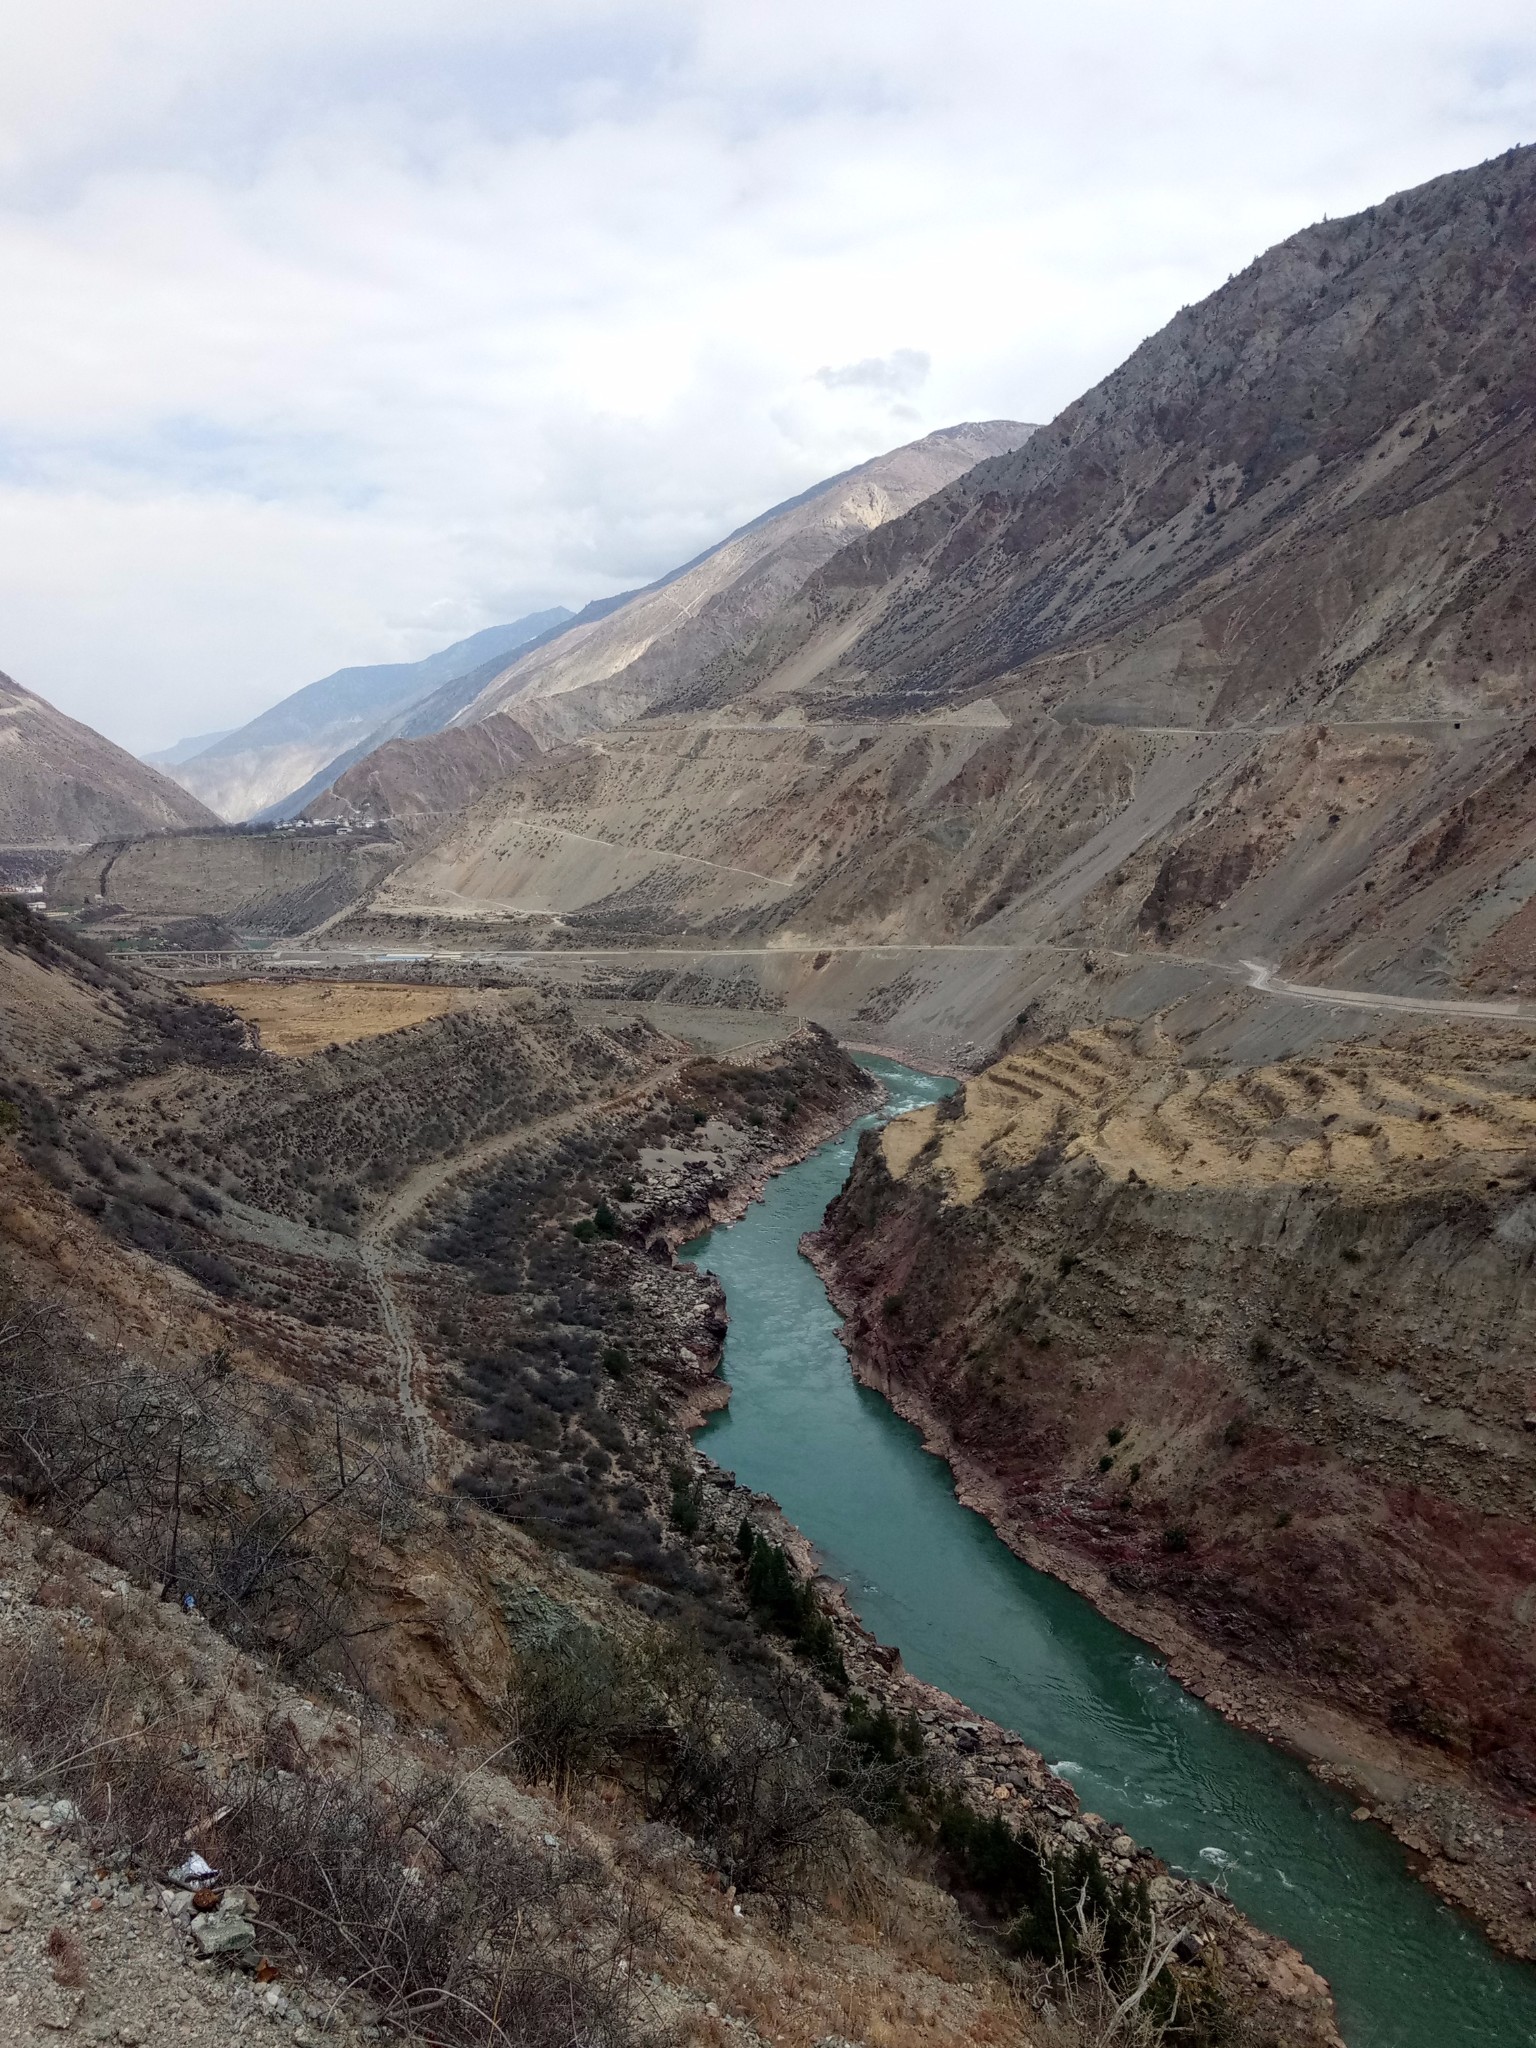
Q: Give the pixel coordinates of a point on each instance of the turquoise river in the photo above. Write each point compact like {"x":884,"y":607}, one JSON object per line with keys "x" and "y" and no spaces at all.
{"x":927,"y":1574}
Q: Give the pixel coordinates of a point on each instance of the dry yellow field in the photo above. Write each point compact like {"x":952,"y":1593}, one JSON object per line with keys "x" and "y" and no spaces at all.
{"x":299,"y":1017}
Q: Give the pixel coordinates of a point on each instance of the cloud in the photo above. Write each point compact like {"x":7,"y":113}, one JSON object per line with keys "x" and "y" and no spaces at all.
{"x":337,"y":327}
{"x":900,"y":373}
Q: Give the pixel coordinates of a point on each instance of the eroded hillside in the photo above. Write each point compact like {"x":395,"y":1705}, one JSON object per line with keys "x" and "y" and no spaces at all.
{"x":63,"y":785}
{"x":1248,"y":1352}
{"x":624,"y":654}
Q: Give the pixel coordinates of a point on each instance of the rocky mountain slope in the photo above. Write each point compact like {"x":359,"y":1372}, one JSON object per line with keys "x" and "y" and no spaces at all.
{"x":624,"y":654}
{"x":1233,"y":659}
{"x":1246,"y":1352}
{"x":351,"y":1526}
{"x":1307,"y":496}
{"x":256,"y":768}
{"x":63,"y":785}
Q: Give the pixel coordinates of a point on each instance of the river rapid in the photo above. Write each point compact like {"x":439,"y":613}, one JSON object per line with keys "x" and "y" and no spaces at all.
{"x":931,"y":1576}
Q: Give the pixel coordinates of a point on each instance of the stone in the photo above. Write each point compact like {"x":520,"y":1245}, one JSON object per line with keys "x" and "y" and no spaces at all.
{"x":222,"y":1934}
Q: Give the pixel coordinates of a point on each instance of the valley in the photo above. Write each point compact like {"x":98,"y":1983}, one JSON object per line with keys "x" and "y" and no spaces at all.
{"x":408,"y":1302}
{"x":1165,"y":778}
{"x":1243,"y":1352}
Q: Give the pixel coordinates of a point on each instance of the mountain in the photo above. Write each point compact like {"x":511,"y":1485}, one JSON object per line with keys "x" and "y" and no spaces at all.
{"x":253,"y":768}
{"x":183,"y":750}
{"x":625,"y":653}
{"x":1214,"y":1287}
{"x":61,"y":784}
{"x":1234,"y":659}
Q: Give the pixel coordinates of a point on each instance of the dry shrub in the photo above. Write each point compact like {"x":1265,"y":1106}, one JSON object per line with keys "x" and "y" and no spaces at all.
{"x":55,"y":1704}
{"x":67,"y":1956}
{"x":758,"y":1782}
{"x":73,"y":1721}
{"x":441,"y":1920}
{"x":445,"y":1923}
{"x":199,"y":1479}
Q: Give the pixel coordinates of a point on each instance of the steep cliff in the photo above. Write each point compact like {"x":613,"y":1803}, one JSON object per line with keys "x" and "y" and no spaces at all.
{"x":1252,"y":1349}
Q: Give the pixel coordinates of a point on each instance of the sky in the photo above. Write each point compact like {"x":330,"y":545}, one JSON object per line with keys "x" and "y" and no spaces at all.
{"x":333,"y":330}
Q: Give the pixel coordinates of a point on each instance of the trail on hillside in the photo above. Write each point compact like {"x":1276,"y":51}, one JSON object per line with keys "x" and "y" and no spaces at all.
{"x":1263,"y":980}
{"x":414,"y":1193}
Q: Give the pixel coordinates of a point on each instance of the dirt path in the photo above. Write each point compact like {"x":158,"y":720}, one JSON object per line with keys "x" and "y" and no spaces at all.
{"x":418,"y":1189}
{"x":1261,"y":979}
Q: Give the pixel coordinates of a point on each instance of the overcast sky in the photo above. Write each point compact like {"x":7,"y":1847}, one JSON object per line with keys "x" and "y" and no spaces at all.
{"x":332,"y":330}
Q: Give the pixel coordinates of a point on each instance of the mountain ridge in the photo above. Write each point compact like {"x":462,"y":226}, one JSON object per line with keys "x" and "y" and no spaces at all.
{"x":1280,"y":372}
{"x":62,"y":784}
{"x":1251,"y":621}
{"x":622,"y":653}
{"x":254,"y":768}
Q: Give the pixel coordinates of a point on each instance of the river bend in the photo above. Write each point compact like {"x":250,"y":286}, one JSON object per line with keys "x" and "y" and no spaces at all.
{"x":929,"y":1575}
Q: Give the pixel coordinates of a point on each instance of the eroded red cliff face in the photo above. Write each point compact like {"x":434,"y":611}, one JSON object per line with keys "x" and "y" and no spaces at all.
{"x":1249,"y":1358}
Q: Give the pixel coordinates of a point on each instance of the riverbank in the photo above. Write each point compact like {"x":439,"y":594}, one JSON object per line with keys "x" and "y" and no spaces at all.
{"x":1475,"y":1854}
{"x":994,"y":1770}
{"x":1032,"y":1657}
{"x":1264,"y":1416}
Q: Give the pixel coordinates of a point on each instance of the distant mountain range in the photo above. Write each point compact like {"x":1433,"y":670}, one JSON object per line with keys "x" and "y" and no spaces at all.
{"x":254,"y":770}
{"x":183,"y":750}
{"x":623,"y":654}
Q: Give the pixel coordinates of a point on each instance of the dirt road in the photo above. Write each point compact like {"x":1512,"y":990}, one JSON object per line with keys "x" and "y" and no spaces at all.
{"x":1268,"y":983}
